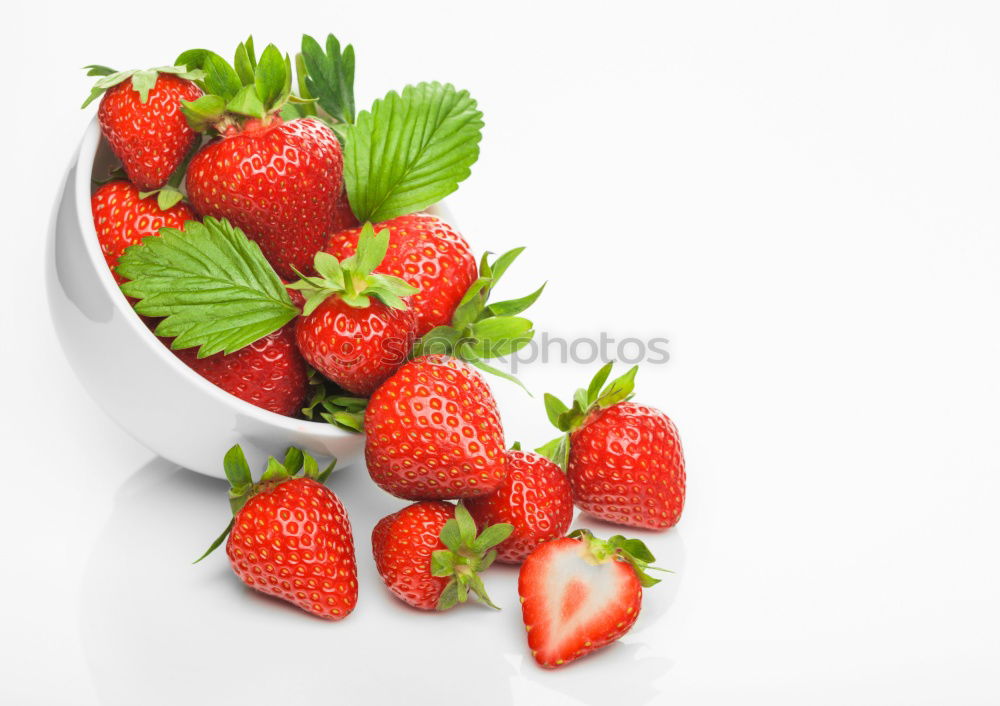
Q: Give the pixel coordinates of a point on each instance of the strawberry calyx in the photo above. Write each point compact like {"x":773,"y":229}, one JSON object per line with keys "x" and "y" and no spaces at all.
{"x":333,"y":405}
{"x":619,"y":548}
{"x":467,"y":554}
{"x":142,"y":80}
{"x":586,"y":402}
{"x":353,"y":279}
{"x":235,"y":94}
{"x":297,"y":464}
{"x":481,"y":330}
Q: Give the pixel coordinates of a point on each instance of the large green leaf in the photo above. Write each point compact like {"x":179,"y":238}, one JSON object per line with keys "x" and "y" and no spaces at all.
{"x":211,"y":283}
{"x":410,"y":150}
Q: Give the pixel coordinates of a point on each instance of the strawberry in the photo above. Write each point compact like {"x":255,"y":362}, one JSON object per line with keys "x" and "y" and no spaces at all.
{"x":355,"y":328}
{"x":535,"y":499}
{"x":277,"y":181}
{"x":123,"y":218}
{"x":580,"y":593}
{"x":290,"y":536}
{"x":433,"y":432}
{"x":429,"y":254}
{"x":269,"y":373}
{"x":344,"y":219}
{"x":140,"y":116}
{"x":624,"y":460}
{"x":428,"y":554}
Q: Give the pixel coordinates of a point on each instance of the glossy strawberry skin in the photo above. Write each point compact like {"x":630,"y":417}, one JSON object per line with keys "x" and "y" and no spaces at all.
{"x":151,"y":139}
{"x":626,"y":466}
{"x":343,"y":217}
{"x":557,"y":637}
{"x":279,"y":183}
{"x":535,"y":498}
{"x":122,"y":219}
{"x":402,"y":544}
{"x":433,"y":432}
{"x":269,"y":373}
{"x":356,"y":348}
{"x":294,"y":541}
{"x":427,"y":253}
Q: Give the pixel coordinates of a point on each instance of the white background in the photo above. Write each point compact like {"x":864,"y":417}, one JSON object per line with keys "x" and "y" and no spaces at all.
{"x":802,"y":197}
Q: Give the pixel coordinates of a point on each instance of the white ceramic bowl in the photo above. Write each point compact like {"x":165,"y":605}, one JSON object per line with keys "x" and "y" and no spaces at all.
{"x":139,"y":383}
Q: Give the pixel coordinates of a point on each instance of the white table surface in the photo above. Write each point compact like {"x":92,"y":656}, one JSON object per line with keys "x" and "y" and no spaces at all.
{"x":802,"y":197}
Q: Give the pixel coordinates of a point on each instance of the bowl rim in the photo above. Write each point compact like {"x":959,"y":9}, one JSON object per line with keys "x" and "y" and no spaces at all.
{"x":84,"y":175}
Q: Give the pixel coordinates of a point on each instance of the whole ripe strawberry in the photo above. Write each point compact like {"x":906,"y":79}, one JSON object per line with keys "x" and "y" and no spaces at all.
{"x":428,"y":554}
{"x":355,"y":328}
{"x":290,"y":536}
{"x":535,"y":499}
{"x":277,"y":181}
{"x":430,"y":255}
{"x":269,"y":373}
{"x":123,"y":218}
{"x":433,"y":432}
{"x":580,"y":593}
{"x":624,"y":461}
{"x":140,"y":116}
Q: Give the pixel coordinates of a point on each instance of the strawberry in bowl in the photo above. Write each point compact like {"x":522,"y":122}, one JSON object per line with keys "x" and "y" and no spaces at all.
{"x":205,"y":266}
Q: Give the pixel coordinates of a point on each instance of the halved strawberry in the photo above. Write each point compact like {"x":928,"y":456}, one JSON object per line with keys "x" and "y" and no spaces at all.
{"x":580,"y":593}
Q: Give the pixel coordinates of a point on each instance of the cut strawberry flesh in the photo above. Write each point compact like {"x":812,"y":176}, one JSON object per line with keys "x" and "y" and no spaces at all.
{"x":572,"y":604}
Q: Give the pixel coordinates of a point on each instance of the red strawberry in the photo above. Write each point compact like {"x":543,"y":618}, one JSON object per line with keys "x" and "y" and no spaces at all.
{"x":277,"y":181}
{"x":535,"y":499}
{"x":140,"y":116}
{"x":429,"y":254}
{"x":269,"y":373}
{"x":625,"y":461}
{"x":429,"y":556}
{"x":122,"y":218}
{"x":355,"y":329}
{"x":290,"y":536}
{"x":344,"y":219}
{"x":433,"y":432}
{"x":580,"y":593}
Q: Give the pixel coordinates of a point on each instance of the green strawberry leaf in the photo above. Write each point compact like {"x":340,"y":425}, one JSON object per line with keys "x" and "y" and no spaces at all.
{"x":305,"y":99}
{"x":212,"y":285}
{"x":619,"y":548}
{"x":246,"y":102}
{"x":556,"y":451}
{"x":329,"y":76}
{"x":352,"y":279}
{"x":467,"y":555}
{"x":554,"y":408}
{"x":236,"y":467}
{"x":221,"y":79}
{"x":410,"y":150}
{"x":480,"y":330}
{"x":245,"y":62}
{"x":98,"y":70}
{"x":333,"y":406}
{"x":142,"y":81}
{"x":594,"y":389}
{"x":270,"y":76}
{"x":204,"y":111}
{"x":590,"y":398}
{"x":218,"y":541}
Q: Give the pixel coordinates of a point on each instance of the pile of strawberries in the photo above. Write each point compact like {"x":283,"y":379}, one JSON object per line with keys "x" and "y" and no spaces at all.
{"x":277,"y":241}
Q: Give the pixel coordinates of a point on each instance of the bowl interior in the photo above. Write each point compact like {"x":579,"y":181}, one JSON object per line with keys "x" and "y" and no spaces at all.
{"x":96,"y":160}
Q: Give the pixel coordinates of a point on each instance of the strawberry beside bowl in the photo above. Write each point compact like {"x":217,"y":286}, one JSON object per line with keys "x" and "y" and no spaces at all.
{"x":137,"y":380}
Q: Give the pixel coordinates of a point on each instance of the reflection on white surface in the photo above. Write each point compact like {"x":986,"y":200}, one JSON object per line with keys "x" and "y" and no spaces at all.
{"x":157,"y":629}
